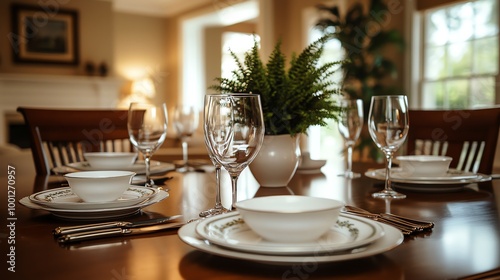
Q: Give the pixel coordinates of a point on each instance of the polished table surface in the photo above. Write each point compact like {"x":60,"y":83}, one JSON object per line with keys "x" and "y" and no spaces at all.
{"x":464,"y":241}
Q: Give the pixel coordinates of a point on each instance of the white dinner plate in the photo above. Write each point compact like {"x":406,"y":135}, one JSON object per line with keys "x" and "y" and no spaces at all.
{"x":95,"y":214}
{"x":139,"y":167}
{"x":391,"y":239}
{"x":64,"y":198}
{"x":230,"y":231}
{"x":379,"y":174}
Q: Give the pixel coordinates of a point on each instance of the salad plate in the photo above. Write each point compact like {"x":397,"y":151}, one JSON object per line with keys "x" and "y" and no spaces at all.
{"x":452,"y":179}
{"x":138,"y":167}
{"x":64,"y":198}
{"x":230,"y":231}
{"x":95,"y":214}
{"x":392,"y":238}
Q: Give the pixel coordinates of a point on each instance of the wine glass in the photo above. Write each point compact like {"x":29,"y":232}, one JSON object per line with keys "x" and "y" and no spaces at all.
{"x":147,"y":129}
{"x":388,"y":124}
{"x":185,"y":122}
{"x":350,"y":124}
{"x":218,"y":208}
{"x":235,"y":131}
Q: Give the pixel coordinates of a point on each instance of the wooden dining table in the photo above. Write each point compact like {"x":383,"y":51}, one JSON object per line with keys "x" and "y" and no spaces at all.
{"x":464,"y":241}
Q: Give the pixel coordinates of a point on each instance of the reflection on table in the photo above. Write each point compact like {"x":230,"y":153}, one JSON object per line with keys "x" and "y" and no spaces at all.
{"x":464,"y":241}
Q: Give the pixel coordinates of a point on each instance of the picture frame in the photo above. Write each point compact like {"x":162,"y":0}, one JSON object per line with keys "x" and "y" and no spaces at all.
{"x":44,"y":35}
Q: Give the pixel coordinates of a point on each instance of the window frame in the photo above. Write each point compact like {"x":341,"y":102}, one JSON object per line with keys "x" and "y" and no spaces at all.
{"x":415,"y":56}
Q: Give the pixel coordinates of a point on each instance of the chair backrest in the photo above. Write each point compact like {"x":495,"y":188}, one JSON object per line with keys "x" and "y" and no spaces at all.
{"x":469,"y":136}
{"x":59,"y":137}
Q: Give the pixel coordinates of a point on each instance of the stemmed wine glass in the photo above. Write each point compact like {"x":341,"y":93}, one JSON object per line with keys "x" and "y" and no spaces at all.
{"x":147,"y":129}
{"x":350,"y":124}
{"x":235,"y":130}
{"x":185,"y":122}
{"x":209,"y":100}
{"x":388,"y":124}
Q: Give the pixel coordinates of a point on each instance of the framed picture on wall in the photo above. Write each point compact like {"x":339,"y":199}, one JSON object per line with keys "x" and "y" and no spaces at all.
{"x":42,"y":34}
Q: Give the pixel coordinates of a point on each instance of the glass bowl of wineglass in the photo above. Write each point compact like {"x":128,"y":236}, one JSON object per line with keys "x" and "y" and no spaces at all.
{"x":350,"y":125}
{"x":185,"y":121}
{"x":235,"y":131}
{"x":388,"y":124}
{"x":147,"y":129}
{"x":218,"y":208}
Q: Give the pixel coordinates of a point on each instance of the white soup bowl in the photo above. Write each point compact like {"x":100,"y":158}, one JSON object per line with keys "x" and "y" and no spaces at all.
{"x":425,"y":166}
{"x":99,"y":186}
{"x":110,"y":160}
{"x":289,"y":218}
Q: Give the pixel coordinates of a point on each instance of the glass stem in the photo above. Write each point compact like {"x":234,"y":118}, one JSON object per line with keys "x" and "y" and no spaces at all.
{"x":388,"y":172}
{"x":349,"y":159}
{"x":218,"y":203}
{"x":185,"y":152}
{"x":147,"y":161}
{"x":234,"y":191}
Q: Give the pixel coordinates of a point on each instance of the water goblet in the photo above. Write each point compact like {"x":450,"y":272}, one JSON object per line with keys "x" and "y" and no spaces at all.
{"x":235,"y":132}
{"x":147,"y":129}
{"x":388,"y":124}
{"x":350,"y":124}
{"x":185,"y":121}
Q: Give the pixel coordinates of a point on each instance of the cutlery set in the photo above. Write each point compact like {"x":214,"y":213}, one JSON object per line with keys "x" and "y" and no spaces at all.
{"x":406,"y":225}
{"x":79,"y":233}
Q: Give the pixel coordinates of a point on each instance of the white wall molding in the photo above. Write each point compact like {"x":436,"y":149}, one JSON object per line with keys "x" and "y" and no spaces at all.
{"x":55,"y":92}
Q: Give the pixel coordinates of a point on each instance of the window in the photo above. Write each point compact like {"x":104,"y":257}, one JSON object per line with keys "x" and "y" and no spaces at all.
{"x":239,"y":44}
{"x":460,"y":55}
{"x":326,"y":142}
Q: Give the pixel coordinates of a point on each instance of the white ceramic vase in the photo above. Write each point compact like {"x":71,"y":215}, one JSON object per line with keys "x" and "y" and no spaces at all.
{"x":277,"y":160}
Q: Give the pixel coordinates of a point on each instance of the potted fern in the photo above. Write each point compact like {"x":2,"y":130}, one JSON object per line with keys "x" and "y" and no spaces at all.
{"x":293,"y":99}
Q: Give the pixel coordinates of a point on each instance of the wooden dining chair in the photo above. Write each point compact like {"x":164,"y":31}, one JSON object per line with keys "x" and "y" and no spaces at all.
{"x":468,"y":136}
{"x":59,"y":137}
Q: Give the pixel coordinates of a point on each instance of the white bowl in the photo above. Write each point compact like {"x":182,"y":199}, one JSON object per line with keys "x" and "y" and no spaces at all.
{"x":110,"y":160}
{"x":427,"y":166}
{"x":289,"y":218}
{"x":99,"y":186}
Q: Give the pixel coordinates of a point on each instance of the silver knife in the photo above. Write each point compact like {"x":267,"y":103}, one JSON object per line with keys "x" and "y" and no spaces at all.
{"x":110,"y":232}
{"x":111,"y":225}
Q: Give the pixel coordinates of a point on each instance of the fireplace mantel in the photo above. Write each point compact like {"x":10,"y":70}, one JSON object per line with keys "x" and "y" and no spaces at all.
{"x":55,"y":92}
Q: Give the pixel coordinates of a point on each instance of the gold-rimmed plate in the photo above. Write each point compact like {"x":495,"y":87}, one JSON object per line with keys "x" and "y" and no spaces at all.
{"x":64,"y":198}
{"x":96,"y":214}
{"x":230,"y":231}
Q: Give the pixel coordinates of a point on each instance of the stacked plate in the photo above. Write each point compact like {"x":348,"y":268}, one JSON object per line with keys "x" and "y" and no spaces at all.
{"x":63,"y":203}
{"x":453,"y":180}
{"x":139,"y":167}
{"x":352,"y":237}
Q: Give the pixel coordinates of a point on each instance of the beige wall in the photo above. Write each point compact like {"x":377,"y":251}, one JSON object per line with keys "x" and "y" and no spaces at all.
{"x":140,"y":49}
